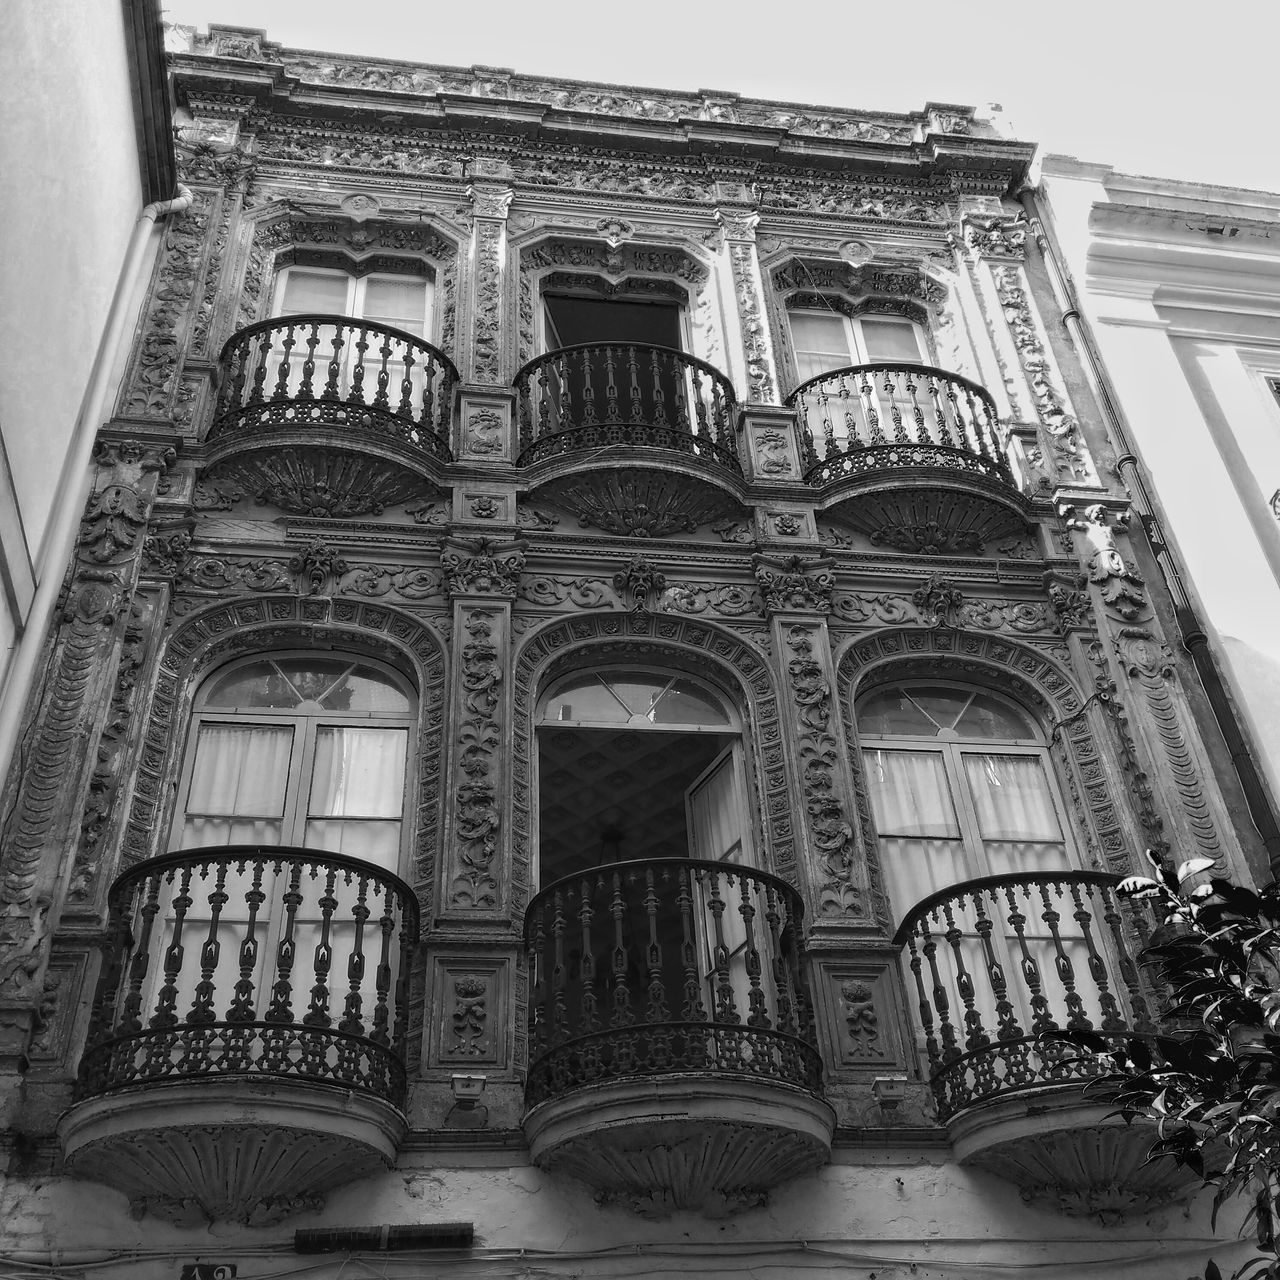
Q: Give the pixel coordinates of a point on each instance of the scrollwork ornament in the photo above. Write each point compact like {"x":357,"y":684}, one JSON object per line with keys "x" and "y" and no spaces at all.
{"x":1119,"y":583}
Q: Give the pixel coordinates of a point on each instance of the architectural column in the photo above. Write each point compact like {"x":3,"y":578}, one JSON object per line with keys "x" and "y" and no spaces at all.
{"x":797,"y":599}
{"x":45,"y":799}
{"x":756,"y":370}
{"x":1170,"y":773}
{"x":1045,"y":430}
{"x":490,"y":201}
{"x":481,"y":577}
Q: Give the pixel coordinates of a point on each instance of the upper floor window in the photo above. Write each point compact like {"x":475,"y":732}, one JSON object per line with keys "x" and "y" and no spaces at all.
{"x":827,"y":340}
{"x":572,"y":319}
{"x":298,"y":749}
{"x":393,"y":301}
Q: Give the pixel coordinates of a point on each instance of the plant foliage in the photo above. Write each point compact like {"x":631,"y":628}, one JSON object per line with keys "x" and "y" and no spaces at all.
{"x":1211,"y":1079}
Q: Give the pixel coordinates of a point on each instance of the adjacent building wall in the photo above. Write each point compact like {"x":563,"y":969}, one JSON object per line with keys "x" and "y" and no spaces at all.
{"x":76,"y":177}
{"x":1181,"y":285}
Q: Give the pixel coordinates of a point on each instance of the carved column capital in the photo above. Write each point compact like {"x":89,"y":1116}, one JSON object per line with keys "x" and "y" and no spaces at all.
{"x":795,"y":584}
{"x":483,"y":567}
{"x":995,"y":235}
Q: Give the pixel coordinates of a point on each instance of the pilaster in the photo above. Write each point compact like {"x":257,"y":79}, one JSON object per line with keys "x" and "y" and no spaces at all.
{"x":756,"y":369}
{"x":490,"y":203}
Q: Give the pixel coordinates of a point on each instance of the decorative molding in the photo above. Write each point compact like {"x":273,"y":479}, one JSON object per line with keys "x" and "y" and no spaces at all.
{"x":317,"y":565}
{"x":1119,"y":583}
{"x":829,"y":830}
{"x":1072,"y":463}
{"x":887,"y":608}
{"x":756,"y":351}
{"x":482,"y":566}
{"x":640,"y":502}
{"x":996,"y":236}
{"x":473,"y":873}
{"x":640,"y":584}
{"x":938,"y":602}
{"x":797,"y":584}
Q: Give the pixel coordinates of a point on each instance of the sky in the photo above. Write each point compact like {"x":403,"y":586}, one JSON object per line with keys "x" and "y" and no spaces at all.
{"x":1171,"y":89}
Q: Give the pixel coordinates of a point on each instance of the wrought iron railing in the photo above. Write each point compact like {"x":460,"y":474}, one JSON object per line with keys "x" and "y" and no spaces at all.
{"x":1001,"y":965}
{"x":318,"y":370}
{"x":882,"y":417}
{"x":624,"y":393}
{"x":668,"y":965}
{"x":254,"y":961}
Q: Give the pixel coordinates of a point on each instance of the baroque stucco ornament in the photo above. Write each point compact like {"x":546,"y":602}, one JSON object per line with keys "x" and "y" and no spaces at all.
{"x":795,"y":584}
{"x":483,"y":566}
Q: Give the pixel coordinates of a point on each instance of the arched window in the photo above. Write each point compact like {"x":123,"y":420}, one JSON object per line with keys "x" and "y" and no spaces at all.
{"x":636,"y":763}
{"x":298,"y":749}
{"x":959,"y":788}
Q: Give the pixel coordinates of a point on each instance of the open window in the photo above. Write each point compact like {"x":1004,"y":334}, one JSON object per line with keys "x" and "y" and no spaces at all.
{"x":637,"y":765}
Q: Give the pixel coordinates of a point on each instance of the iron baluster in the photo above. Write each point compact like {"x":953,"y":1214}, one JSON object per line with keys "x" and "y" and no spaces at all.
{"x":895,"y":407}
{"x":559,"y":974}
{"x":330,"y":391}
{"x":381,"y":1032}
{"x":1111,"y":1019}
{"x":381,"y":399}
{"x":356,"y":391}
{"x":867,"y":390}
{"x":622,"y":1015}
{"x":405,"y":408}
{"x":202,"y":1006}
{"x":167,"y":1000}
{"x":759,"y":1014}
{"x":658,"y":412}
{"x":131,"y":1011}
{"x":281,"y":1008}
{"x":1077,"y":1018}
{"x":281,"y":391}
{"x":656,"y":1010}
{"x":929,"y":945}
{"x":586,"y":913}
{"x":318,"y":1014}
{"x":916,"y":965}
{"x":725,"y":1009}
{"x":353,"y":1007}
{"x":306,"y":390}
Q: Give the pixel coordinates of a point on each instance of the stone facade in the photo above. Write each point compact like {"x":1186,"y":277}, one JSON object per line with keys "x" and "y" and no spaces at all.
{"x":489,"y":519}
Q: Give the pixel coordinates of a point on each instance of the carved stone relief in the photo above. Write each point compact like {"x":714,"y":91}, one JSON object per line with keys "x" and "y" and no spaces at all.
{"x":640,"y":502}
{"x":483,"y":566}
{"x":840,"y":894}
{"x":1118,"y":581}
{"x":640,"y":584}
{"x":796,"y":584}
{"x":1072,"y":461}
{"x":55,"y":760}
{"x":472,"y":874}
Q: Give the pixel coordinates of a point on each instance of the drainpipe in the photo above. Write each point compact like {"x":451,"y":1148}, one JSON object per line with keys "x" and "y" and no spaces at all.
{"x":1195,"y":640}
{"x":76,"y":478}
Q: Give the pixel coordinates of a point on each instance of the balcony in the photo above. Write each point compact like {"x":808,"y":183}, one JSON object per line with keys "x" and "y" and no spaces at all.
{"x":910,"y":455}
{"x":636,"y":439}
{"x":673,"y":1062}
{"x":1000,"y":966}
{"x":246,"y":1052}
{"x":324,"y":415}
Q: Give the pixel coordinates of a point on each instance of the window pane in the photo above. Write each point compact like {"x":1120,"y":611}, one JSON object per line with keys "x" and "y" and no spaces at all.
{"x":333,"y":684}
{"x":891,"y":711}
{"x":821,"y":343}
{"x":636,"y":698}
{"x":358,"y":773}
{"x":985,"y":717}
{"x":398,"y":303}
{"x":910,"y":795}
{"x":376,"y":842}
{"x":1011,"y":795}
{"x":322,"y":291}
{"x":890,"y":341}
{"x":240,"y":770}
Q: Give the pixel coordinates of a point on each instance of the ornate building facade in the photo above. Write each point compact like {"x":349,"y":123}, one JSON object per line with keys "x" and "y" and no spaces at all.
{"x":604,"y":690}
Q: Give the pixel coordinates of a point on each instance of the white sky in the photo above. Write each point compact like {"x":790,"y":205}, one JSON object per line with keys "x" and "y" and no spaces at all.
{"x":1173,"y":89}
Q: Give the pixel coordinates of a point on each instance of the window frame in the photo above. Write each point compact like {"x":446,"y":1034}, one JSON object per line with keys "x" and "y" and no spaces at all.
{"x":357,"y":290}
{"x":855,"y":343}
{"x":305,"y":727}
{"x":680,"y":304}
{"x":952,"y":747}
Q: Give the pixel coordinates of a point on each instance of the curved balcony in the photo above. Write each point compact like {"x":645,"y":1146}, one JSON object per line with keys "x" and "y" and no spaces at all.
{"x":250,"y":1015}
{"x":900,"y":448}
{"x":635,"y":439}
{"x":673,"y":1062}
{"x":325,"y":415}
{"x":1000,"y":966}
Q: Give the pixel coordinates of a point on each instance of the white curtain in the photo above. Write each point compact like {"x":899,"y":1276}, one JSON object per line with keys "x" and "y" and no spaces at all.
{"x":238,"y":782}
{"x":357,"y":793}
